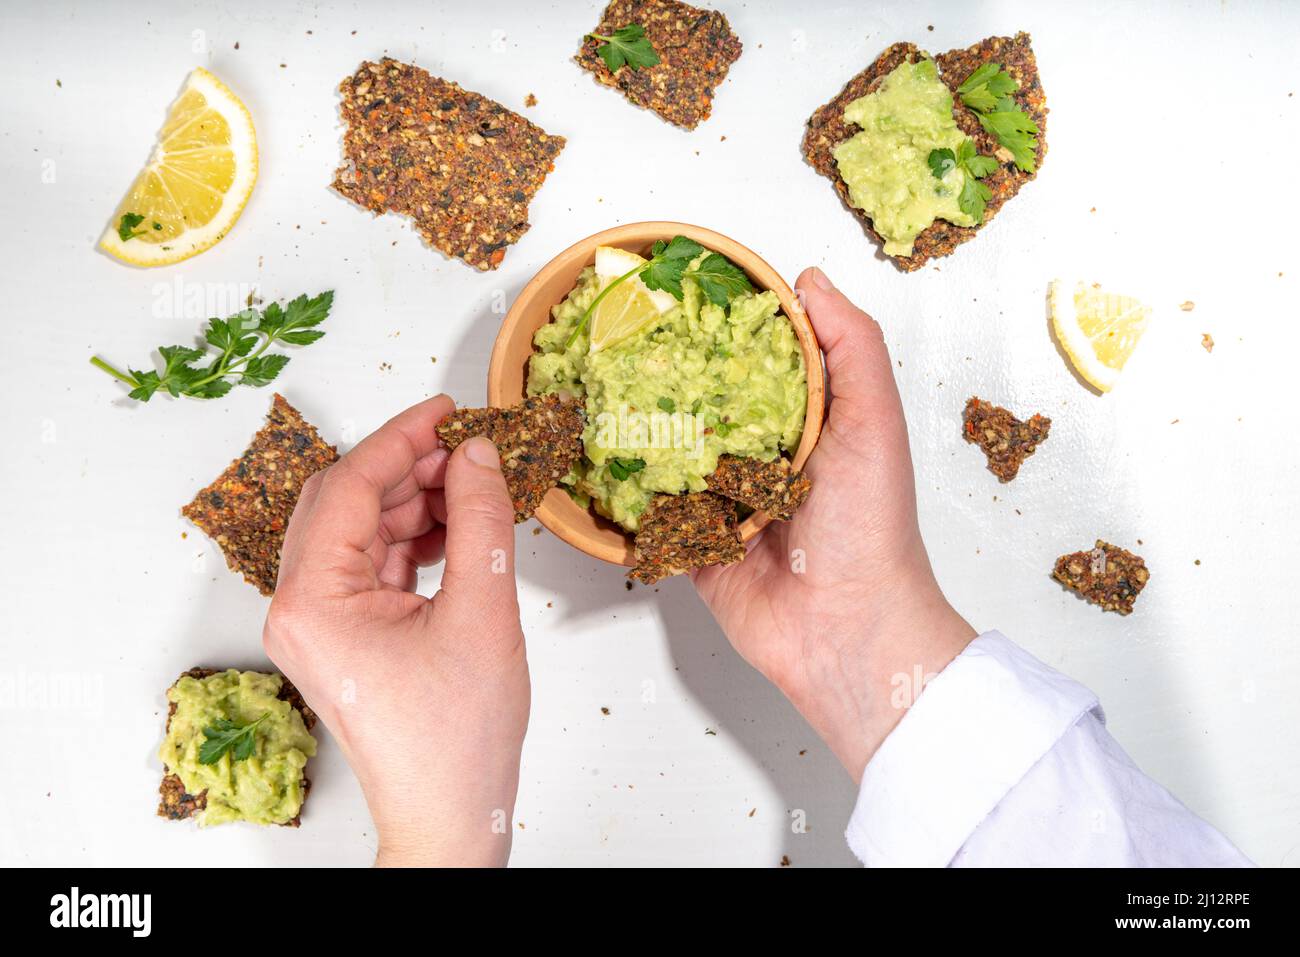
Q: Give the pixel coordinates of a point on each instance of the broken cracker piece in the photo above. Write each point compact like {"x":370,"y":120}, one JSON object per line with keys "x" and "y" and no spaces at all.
{"x":176,"y":803}
{"x":827,"y":128}
{"x":247,"y":509}
{"x":1006,"y":440}
{"x":538,"y":440}
{"x":682,"y":532}
{"x":695,"y":48}
{"x":462,"y":166}
{"x":1107,"y":576}
{"x":771,"y":487}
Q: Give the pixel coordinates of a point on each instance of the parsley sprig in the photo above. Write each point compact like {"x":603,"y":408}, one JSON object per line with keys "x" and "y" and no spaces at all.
{"x":622,"y":468}
{"x":987,"y":92}
{"x":628,"y":45}
{"x":718,"y":277}
{"x":974,"y":195}
{"x":241,"y":342}
{"x":225,"y":735}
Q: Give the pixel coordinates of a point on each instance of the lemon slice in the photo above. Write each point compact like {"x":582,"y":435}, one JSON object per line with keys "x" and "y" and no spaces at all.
{"x":1098,"y":330}
{"x":628,"y":307}
{"x":196,"y":183}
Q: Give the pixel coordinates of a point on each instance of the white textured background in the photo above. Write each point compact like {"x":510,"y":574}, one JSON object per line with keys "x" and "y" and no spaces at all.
{"x":1173,"y":144}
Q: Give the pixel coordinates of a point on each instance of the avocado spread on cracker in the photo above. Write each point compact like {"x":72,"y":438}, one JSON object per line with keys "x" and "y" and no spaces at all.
{"x":887,"y":165}
{"x":255,"y":745}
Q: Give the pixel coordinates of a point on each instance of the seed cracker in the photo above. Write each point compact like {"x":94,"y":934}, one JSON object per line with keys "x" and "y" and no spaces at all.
{"x":827,"y":129}
{"x":177,"y":804}
{"x":1006,"y":440}
{"x":695,"y":47}
{"x":681,"y":532}
{"x":247,"y":509}
{"x":771,"y":487}
{"x":1107,"y":576}
{"x":538,"y":440}
{"x":462,"y":166}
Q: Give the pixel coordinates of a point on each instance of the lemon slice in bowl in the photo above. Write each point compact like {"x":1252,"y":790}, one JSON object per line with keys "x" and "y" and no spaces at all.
{"x":196,"y":183}
{"x":1098,"y":330}
{"x":630,"y":306}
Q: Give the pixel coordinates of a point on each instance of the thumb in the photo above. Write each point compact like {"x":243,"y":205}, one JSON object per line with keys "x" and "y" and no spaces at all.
{"x":862,"y":387}
{"x":480,"y":564}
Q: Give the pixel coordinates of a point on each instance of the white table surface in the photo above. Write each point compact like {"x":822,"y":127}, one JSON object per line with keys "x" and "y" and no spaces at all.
{"x":1173,"y":143}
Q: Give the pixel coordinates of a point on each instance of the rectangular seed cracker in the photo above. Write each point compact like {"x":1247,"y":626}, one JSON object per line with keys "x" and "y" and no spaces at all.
{"x":462,"y":166}
{"x":538,"y":441}
{"x":682,"y":532}
{"x":695,"y":47}
{"x":247,"y":508}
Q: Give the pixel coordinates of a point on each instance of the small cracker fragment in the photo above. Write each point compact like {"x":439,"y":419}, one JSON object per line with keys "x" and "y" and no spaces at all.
{"x":247,"y":508}
{"x":771,"y":487}
{"x":681,"y":532}
{"x":176,"y":803}
{"x":1108,"y":576}
{"x":538,"y":440}
{"x":462,"y":166}
{"x":1207,"y":342}
{"x":1006,"y":440}
{"x":695,"y":47}
{"x":827,"y":129}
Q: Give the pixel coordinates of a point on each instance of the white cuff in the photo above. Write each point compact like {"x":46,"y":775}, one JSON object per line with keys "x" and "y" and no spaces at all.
{"x":974,"y":732}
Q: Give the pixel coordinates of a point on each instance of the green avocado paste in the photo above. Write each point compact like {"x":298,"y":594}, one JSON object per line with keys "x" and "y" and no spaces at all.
{"x":885,"y":165}
{"x":264,"y":788}
{"x":664,"y":403}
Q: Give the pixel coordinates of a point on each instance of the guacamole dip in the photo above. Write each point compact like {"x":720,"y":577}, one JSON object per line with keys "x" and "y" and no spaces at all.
{"x":265,"y":788}
{"x":886,"y":165}
{"x":665,"y":402}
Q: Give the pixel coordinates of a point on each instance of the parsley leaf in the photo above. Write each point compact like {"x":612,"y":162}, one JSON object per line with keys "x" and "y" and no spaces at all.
{"x":986,"y":86}
{"x":1017,"y":132}
{"x":225,"y":735}
{"x":628,"y":45}
{"x":942,"y":162}
{"x":622,"y":468}
{"x":988,"y":91}
{"x":668,"y":261}
{"x":241,"y":342}
{"x":666,"y":404}
{"x":720,"y":279}
{"x":126,"y":227}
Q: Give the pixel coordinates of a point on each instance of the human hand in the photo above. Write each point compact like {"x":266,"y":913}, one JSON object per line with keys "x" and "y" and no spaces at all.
{"x":428,"y":698}
{"x":834,"y":604}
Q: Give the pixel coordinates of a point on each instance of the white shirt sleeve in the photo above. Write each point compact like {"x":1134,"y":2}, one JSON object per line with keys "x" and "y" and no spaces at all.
{"x":1005,"y":761}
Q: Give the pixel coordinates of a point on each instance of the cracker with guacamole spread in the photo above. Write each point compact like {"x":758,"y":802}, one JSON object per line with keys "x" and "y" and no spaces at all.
{"x":771,"y":487}
{"x":462,"y":166}
{"x":538,"y":440}
{"x":1108,"y":576}
{"x":681,"y":532}
{"x":277,"y":786}
{"x":1005,"y":440}
{"x":672,"y":65}
{"x":247,"y":509}
{"x":1001,"y":172}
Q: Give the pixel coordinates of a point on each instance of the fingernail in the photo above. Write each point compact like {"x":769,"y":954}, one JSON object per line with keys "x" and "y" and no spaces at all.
{"x":820,"y":281}
{"x":481,"y":451}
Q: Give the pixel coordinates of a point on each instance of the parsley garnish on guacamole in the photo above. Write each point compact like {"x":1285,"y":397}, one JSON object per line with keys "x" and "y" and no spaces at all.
{"x":719,"y":372}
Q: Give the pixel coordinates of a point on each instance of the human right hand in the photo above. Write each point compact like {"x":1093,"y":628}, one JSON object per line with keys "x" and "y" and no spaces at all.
{"x":834,"y":605}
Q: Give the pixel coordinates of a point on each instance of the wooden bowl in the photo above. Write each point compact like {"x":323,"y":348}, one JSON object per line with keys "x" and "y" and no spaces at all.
{"x":508,"y":368}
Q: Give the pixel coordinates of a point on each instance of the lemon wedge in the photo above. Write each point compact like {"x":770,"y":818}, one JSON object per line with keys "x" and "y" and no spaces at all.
{"x":196,"y":183}
{"x":630,"y":306}
{"x":1098,"y":330}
